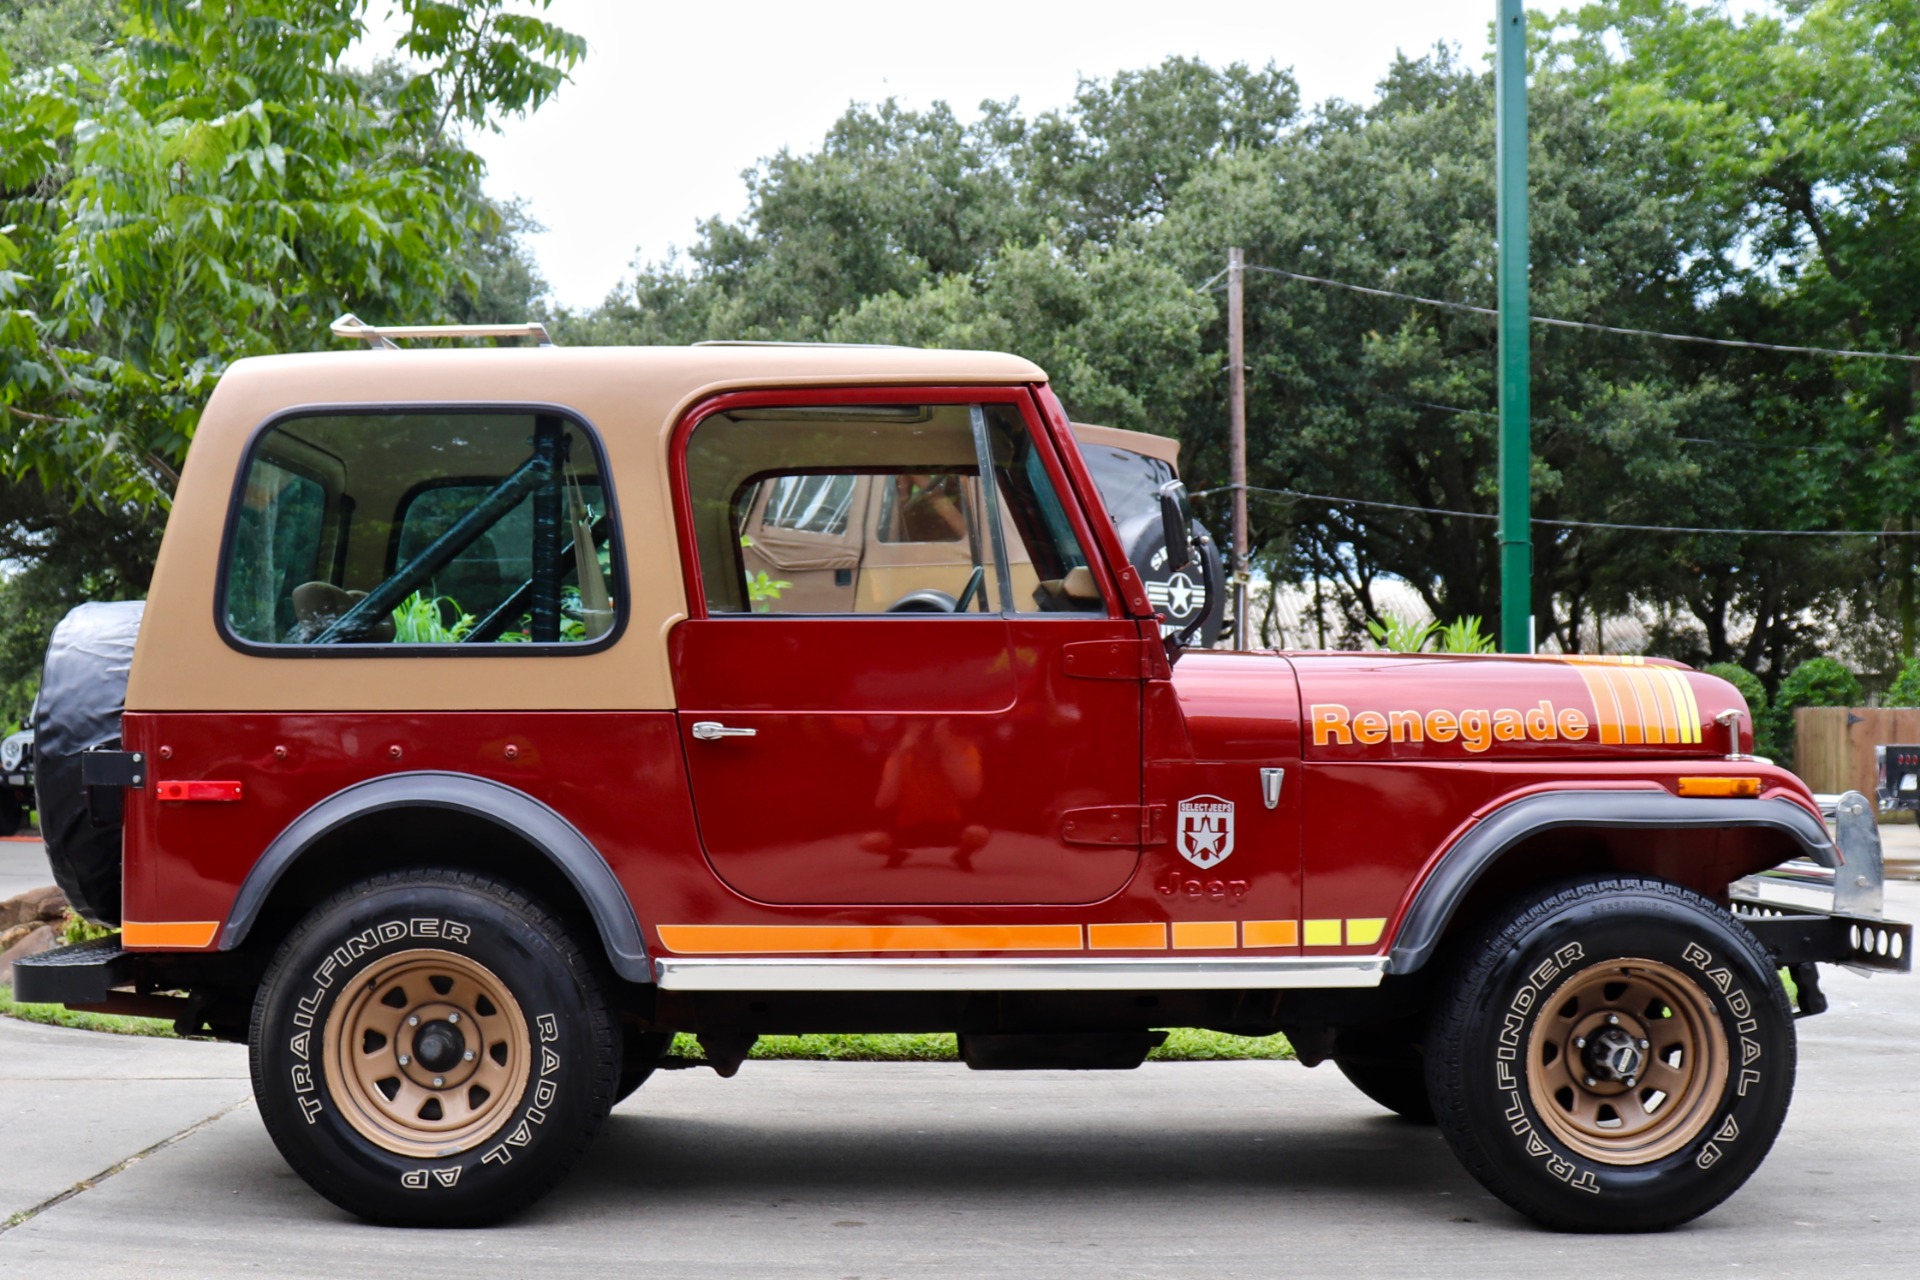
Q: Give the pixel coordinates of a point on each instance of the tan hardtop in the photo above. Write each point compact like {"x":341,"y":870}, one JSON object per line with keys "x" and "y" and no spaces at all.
{"x":629,"y":395}
{"x":1165,"y":448}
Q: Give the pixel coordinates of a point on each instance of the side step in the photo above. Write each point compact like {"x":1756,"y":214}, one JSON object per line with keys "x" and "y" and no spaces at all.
{"x":1086,"y":1051}
{"x":80,"y":974}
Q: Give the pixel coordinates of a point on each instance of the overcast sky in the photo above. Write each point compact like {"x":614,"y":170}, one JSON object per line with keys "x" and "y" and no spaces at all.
{"x":673,"y":101}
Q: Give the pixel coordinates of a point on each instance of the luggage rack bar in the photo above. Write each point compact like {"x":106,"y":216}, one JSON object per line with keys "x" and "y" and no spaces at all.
{"x":379,"y":337}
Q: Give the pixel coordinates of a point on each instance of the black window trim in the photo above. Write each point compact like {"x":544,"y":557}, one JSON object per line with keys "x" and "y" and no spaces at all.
{"x":623,"y":604}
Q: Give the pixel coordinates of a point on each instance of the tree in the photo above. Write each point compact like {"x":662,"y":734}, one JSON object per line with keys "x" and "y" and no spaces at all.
{"x":1790,"y":132}
{"x":218,"y":184}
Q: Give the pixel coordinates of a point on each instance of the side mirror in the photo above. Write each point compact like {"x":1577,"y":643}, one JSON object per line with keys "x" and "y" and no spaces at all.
{"x":1176,"y":521}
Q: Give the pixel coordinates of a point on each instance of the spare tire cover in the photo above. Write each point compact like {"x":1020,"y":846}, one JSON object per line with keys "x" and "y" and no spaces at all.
{"x":1179,"y":594}
{"x":83,"y":691}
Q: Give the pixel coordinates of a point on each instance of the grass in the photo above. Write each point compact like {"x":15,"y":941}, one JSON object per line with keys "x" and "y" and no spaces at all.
{"x":58,"y":1015}
{"x":1183,"y":1045}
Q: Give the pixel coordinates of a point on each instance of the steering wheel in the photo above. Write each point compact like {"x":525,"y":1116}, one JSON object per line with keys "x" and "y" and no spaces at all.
{"x":976,"y":586}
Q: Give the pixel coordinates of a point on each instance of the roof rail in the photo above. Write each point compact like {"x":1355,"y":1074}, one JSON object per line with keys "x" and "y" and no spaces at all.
{"x":354,"y":328}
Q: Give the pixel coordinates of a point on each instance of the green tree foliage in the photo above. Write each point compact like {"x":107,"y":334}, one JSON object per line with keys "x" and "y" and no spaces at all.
{"x":217,"y":183}
{"x":1755,"y":694}
{"x":183,"y":184}
{"x":1817,"y":682}
{"x":1905,"y":689}
{"x":1788,"y":133}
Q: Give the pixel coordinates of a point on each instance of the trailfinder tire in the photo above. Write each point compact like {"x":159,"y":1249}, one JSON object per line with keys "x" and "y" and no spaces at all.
{"x":1617,"y":1055}
{"x":430,"y":1048}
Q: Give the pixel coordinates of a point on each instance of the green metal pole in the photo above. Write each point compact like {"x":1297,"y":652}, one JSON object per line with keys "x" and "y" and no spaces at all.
{"x":1516,"y":452}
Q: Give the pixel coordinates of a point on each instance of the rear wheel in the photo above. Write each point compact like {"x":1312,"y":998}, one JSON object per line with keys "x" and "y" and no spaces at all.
{"x":431,"y":1048}
{"x":1617,"y":1056}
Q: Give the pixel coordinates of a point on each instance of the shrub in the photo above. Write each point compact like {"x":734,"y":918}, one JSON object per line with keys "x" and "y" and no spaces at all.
{"x":1905,"y":689}
{"x":1756,"y":695}
{"x":1817,"y":682}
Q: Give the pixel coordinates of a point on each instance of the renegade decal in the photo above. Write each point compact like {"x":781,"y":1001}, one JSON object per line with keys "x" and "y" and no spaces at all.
{"x":1205,"y":837}
{"x":1477,"y":730}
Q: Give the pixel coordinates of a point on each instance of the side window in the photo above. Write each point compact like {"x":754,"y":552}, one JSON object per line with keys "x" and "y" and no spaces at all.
{"x":1056,"y":578}
{"x":422,"y":528}
{"x":877,"y":510}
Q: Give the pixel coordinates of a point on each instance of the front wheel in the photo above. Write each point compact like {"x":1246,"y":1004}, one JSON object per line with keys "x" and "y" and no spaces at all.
{"x":1617,"y":1055}
{"x":432,"y":1048}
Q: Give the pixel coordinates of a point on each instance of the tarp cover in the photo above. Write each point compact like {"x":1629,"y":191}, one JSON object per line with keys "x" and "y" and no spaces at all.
{"x":83,"y":691}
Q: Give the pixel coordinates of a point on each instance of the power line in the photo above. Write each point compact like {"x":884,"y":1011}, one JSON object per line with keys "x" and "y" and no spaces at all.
{"x":1299,"y":495}
{"x":1583,"y":324}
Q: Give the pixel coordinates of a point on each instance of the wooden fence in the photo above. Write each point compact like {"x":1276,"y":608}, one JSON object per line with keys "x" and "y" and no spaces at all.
{"x":1833,"y":746}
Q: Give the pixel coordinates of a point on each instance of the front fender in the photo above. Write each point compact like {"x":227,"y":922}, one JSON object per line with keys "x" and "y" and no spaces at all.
{"x":1460,"y":868}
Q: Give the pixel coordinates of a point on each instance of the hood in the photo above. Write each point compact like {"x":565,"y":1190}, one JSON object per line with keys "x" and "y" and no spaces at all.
{"x":1369,"y":706}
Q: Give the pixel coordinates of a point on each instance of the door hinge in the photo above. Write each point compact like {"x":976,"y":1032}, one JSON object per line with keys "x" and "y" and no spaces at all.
{"x":1115,"y":824}
{"x":1108,"y":659}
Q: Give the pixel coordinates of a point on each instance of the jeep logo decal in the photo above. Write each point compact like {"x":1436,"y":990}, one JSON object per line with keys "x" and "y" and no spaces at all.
{"x":1205,"y":837}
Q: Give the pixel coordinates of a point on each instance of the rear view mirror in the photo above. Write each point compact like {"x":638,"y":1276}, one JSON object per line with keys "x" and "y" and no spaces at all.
{"x":1176,"y":520}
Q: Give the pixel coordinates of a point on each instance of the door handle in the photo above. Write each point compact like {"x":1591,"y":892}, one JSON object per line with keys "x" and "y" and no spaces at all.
{"x":709,"y":730}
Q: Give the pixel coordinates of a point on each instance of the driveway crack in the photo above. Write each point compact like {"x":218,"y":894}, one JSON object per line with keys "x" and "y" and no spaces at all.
{"x":88,"y":1184}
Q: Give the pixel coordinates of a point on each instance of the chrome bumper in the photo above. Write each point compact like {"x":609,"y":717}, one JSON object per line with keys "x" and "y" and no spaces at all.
{"x":1806,"y":913}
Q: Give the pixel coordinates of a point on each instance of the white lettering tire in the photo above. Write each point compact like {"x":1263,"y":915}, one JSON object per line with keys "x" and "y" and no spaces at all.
{"x":1615,"y":1055}
{"x":432,"y":1048}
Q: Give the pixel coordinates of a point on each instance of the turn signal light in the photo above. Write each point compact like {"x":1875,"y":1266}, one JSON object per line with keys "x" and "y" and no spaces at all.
{"x":1719,"y":786}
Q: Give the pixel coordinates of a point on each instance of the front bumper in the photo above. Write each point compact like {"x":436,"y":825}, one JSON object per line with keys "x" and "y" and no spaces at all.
{"x":1807,"y":914}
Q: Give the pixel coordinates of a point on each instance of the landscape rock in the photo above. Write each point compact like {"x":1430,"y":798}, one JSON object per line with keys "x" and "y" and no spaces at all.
{"x":42,"y":937}
{"x":35,"y":906}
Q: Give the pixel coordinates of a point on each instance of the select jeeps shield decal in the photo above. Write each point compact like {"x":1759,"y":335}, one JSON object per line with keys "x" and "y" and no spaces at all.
{"x":1205,"y":837}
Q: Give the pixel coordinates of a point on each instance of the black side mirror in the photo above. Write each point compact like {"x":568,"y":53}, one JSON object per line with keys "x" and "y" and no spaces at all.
{"x":1176,"y":521}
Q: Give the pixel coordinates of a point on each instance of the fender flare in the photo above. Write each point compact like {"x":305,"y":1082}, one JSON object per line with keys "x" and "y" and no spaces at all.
{"x":507,"y":807}
{"x":1461,"y":866}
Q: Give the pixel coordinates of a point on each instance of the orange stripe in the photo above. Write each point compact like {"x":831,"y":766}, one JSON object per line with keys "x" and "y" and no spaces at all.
{"x":1659,"y":713}
{"x":1633,"y":716}
{"x":1127,"y":937}
{"x":1606,"y":708}
{"x":196,"y":934}
{"x":1271,"y":933}
{"x":1203,"y":935}
{"x":1689,"y":710}
{"x":1663,"y":698}
{"x":731,"y":939}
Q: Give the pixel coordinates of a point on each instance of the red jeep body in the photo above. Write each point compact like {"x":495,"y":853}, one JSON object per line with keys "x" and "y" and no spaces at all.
{"x":1029,"y":823}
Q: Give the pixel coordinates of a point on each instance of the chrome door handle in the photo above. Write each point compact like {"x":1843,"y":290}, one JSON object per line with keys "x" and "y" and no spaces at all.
{"x":708,"y":730}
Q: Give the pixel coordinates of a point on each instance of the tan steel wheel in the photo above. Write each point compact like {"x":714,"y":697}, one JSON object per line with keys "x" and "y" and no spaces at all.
{"x":429,"y":1055}
{"x":1627,"y":1062}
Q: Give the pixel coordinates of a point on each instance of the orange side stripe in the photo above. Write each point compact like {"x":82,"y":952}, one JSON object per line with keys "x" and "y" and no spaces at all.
{"x":196,"y":934}
{"x":1271,"y":933}
{"x":749,"y":939}
{"x":1203,"y":935}
{"x":1127,"y":937}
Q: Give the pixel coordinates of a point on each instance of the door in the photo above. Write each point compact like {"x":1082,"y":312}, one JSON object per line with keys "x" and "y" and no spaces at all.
{"x":922,"y":743}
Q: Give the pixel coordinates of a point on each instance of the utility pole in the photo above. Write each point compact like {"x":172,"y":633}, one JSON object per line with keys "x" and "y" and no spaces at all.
{"x":1516,"y":436}
{"x":1237,"y":424}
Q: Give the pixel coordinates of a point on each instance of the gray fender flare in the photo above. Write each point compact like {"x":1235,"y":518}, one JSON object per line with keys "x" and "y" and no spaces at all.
{"x":1460,"y":868}
{"x":502,"y":805}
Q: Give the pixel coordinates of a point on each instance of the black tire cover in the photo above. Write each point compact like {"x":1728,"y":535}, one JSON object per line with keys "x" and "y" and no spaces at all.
{"x":83,"y":690}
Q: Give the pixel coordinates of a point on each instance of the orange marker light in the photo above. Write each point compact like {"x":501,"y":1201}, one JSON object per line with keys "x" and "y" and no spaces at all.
{"x":1720,"y":786}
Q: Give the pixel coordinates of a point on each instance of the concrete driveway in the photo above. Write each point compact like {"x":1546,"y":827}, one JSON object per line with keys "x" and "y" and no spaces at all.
{"x":141,"y":1158}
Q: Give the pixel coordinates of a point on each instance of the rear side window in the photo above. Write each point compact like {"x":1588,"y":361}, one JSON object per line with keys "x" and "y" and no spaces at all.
{"x":411,"y":529}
